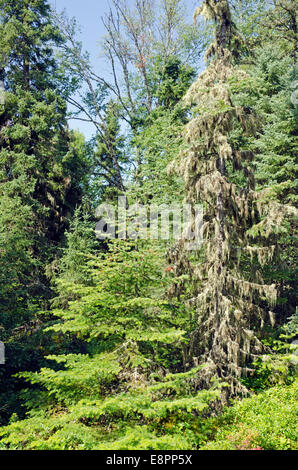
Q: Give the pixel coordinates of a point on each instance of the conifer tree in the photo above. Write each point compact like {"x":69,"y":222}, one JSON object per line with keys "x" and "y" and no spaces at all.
{"x":125,"y":391}
{"x":41,"y":172}
{"x":230,"y":294}
{"x":109,"y":157}
{"x":35,"y":142}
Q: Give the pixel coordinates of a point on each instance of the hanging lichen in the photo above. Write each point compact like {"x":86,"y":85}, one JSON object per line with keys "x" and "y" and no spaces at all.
{"x":230,"y":301}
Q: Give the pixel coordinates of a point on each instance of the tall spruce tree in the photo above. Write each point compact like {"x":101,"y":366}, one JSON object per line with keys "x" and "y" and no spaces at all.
{"x":109,"y":157}
{"x":240,"y":226}
{"x":39,"y":182}
{"x":34,"y":139}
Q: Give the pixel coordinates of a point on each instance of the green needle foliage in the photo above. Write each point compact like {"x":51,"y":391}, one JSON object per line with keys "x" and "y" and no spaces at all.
{"x":41,"y":176}
{"x":122,"y":390}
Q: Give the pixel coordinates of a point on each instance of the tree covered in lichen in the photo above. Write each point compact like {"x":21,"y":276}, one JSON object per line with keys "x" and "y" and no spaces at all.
{"x":241,"y":225}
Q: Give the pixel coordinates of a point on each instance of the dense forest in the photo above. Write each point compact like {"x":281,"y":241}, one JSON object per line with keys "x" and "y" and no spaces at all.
{"x":123,"y":340}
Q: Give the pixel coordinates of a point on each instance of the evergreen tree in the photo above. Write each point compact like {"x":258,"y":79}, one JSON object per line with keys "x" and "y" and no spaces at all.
{"x":160,"y":138}
{"x":174,"y":80}
{"x":240,"y":226}
{"x":41,"y":175}
{"x":110,"y":161}
{"x":124,"y":392}
{"x":34,"y":138}
{"x":275,"y":148}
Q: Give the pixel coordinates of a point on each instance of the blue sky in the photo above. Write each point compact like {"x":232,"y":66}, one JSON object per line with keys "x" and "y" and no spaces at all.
{"x":88,"y":14}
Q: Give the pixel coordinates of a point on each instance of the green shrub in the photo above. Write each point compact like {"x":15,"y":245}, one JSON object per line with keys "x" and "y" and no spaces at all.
{"x":266,"y":421}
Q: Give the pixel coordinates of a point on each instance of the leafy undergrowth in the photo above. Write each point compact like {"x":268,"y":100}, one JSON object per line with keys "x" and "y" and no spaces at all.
{"x":266,"y":421}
